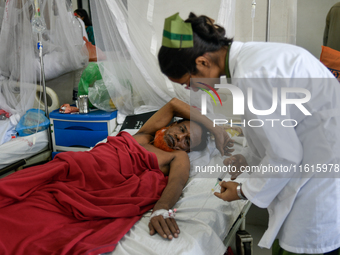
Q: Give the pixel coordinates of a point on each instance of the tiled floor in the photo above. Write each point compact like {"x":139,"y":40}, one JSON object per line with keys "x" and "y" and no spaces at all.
{"x":256,"y":225}
{"x":256,"y":232}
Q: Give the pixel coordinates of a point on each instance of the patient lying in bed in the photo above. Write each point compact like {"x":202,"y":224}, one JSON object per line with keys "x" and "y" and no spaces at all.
{"x":84,"y":202}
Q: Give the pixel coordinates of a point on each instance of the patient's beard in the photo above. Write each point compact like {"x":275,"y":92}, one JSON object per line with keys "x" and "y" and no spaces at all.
{"x":159,"y":141}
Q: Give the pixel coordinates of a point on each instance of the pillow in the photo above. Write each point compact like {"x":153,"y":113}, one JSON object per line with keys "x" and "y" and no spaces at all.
{"x":136,"y":121}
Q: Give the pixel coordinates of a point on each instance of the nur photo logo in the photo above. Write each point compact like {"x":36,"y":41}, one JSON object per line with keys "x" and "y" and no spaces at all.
{"x":240,"y":102}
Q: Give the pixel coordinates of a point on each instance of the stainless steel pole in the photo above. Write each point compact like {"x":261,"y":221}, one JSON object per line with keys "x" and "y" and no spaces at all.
{"x":42,"y":76}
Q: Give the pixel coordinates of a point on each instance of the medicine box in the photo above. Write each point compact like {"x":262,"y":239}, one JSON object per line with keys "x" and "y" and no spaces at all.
{"x":79,"y":132}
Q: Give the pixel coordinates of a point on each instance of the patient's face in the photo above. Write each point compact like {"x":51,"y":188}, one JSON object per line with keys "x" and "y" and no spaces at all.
{"x":179,"y":136}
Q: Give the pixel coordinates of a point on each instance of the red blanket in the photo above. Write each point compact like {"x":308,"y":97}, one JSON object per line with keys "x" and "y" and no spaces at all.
{"x":80,"y":202}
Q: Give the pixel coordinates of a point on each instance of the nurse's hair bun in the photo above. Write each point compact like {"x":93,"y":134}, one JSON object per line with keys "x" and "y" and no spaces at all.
{"x":207,"y":37}
{"x":205,"y":28}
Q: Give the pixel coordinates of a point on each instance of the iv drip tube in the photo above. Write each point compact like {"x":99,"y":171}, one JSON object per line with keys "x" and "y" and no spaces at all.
{"x":42,"y":73}
{"x":268,"y":22}
{"x":253,"y":8}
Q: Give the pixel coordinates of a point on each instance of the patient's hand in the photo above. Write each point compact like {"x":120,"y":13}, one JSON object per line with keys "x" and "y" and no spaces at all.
{"x":223,"y":141}
{"x":236,"y":162}
{"x":166,"y":228}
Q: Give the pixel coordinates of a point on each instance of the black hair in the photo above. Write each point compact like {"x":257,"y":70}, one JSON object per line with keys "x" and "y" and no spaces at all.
{"x":204,"y":137}
{"x":207,"y":37}
{"x":83,"y":14}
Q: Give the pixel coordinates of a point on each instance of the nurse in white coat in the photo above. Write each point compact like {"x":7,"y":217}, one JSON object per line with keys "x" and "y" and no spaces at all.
{"x":301,"y":140}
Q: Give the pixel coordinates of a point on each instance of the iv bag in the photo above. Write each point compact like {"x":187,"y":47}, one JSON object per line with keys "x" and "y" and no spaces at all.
{"x":38,"y":22}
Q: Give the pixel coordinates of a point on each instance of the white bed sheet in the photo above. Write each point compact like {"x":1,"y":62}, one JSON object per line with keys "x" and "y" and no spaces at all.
{"x":202,"y":229}
{"x":22,"y":147}
{"x":203,"y":219}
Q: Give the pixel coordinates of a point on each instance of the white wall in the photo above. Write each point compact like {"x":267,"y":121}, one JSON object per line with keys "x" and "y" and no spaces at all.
{"x":74,"y":4}
{"x":308,"y":26}
{"x":282,"y":21}
{"x":311,"y":18}
{"x":310,"y":22}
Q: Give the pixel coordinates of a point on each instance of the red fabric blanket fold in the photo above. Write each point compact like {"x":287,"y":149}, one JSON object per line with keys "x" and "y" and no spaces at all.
{"x":80,"y":202}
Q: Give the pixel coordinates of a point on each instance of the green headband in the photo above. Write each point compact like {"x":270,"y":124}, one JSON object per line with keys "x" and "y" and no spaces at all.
{"x":177,"y":33}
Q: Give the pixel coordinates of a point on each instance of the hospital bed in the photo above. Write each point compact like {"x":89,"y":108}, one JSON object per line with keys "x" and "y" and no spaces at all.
{"x":207,"y":224}
{"x":63,"y":58}
{"x":24,"y":151}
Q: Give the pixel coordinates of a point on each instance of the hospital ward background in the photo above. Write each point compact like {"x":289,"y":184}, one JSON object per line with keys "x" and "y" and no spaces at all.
{"x":60,"y":94}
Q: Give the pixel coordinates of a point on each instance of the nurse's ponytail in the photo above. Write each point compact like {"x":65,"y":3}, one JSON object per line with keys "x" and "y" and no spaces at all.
{"x":208,"y":37}
{"x":213,"y":35}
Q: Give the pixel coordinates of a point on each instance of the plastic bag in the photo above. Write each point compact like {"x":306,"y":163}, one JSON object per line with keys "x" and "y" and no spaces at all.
{"x":91,"y":84}
{"x":88,"y":78}
{"x":100,"y":97}
{"x":34,"y":120}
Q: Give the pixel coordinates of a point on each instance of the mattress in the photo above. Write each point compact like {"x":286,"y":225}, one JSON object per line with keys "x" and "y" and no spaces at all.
{"x":203,"y":219}
{"x":22,"y":147}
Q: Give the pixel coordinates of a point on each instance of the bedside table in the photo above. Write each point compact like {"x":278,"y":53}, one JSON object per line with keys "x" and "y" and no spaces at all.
{"x":79,"y":132}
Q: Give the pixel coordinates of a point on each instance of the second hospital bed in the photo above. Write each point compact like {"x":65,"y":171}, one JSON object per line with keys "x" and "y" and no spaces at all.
{"x":28,"y":150}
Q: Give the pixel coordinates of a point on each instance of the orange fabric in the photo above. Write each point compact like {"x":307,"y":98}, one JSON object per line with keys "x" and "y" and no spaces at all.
{"x":331,"y":59}
{"x":93,"y":50}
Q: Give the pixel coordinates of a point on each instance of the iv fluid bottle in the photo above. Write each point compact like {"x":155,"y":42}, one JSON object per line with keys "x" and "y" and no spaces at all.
{"x":38,"y":22}
{"x":38,"y":25}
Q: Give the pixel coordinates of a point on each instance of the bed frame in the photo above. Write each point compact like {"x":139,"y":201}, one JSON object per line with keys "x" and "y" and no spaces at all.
{"x":239,"y":224}
{"x":42,"y":156}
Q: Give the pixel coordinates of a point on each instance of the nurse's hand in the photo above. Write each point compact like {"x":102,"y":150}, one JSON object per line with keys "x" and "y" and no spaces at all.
{"x":228,"y":191}
{"x":223,"y":141}
{"x":236,"y":162}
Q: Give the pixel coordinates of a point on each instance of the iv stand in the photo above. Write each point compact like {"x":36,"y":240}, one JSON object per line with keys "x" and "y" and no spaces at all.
{"x":38,"y":26}
{"x":42,"y":79}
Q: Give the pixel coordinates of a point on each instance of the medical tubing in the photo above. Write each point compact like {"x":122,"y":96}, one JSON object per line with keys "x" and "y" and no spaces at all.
{"x":39,"y":46}
{"x":253,"y":8}
{"x":268,"y":21}
{"x":219,"y":178}
{"x":165,"y":213}
{"x":38,"y":26}
{"x":199,"y":211}
{"x":211,"y":193}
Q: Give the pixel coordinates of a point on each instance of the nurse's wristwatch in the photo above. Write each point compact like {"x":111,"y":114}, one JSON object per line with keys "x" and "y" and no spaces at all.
{"x":239,"y":192}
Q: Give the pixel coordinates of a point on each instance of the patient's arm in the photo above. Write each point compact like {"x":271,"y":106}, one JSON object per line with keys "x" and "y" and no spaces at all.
{"x":163,"y":116}
{"x":178,"y":176}
{"x":178,"y":108}
{"x":174,"y":107}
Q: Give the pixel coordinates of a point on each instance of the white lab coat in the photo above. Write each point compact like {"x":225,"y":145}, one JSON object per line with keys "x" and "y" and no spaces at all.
{"x":304,"y":210}
{"x":82,"y":27}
